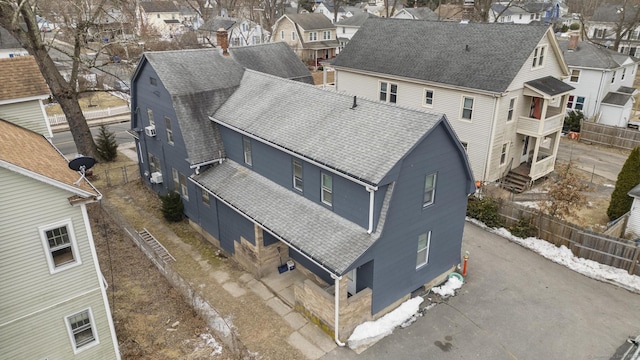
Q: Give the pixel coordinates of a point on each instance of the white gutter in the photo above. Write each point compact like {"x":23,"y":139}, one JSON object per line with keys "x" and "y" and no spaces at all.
{"x":371,"y":203}
{"x":337,"y":309}
{"x":197,"y":166}
{"x":285,"y":150}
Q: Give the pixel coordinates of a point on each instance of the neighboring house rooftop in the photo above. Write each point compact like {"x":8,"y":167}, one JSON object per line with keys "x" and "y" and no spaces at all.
{"x":356,"y":20}
{"x":159,"y":6}
{"x":635,"y":191}
{"x":452,"y":53}
{"x":312,"y":21}
{"x":218,"y":23}
{"x":549,"y":85}
{"x":590,"y":55}
{"x":21,"y":78}
{"x":31,"y":154}
{"x":616,"y":98}
{"x":260,"y":58}
{"x":421,"y":13}
{"x":7,"y":41}
{"x":611,"y":13}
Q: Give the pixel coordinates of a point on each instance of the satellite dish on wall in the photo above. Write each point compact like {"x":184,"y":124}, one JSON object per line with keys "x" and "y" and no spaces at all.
{"x":81,"y":163}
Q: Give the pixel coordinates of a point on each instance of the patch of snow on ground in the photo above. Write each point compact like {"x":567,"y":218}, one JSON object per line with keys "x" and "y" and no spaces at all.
{"x":609,"y":185}
{"x":209,"y":342}
{"x":449,"y":288}
{"x":563,"y":256}
{"x":530,"y":204}
{"x":372,"y":331}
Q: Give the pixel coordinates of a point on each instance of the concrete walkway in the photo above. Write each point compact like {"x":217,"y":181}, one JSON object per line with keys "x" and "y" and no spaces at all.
{"x":268,"y":300}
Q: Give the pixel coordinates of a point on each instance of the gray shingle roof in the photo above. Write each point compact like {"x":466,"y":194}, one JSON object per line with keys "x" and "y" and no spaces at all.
{"x":315,"y":230}
{"x":610,"y":13}
{"x":199,"y":81}
{"x":616,"y":98}
{"x":550,"y":86}
{"x":356,"y":20}
{"x":365,"y":142}
{"x":7,"y":41}
{"x":635,"y":192}
{"x":591,"y":55}
{"x":217,"y":23}
{"x":261,"y":58}
{"x":422,"y":13}
{"x":626,"y":90}
{"x":442,"y":56}
{"x":158,"y":6}
{"x":312,"y":21}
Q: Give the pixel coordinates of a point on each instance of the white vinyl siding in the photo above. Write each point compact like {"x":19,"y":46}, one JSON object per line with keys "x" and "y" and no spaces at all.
{"x":33,"y":290}
{"x":29,"y":115}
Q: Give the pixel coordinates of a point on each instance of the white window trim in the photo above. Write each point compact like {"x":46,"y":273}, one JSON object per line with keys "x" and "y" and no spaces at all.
{"x":293,"y":164}
{"x":184,"y":189}
{"x":313,"y":36}
{"x":47,"y":251}
{"x":578,"y":76}
{"x":169,"y":130}
{"x":176,"y":179}
{"x":282,"y":34}
{"x":322,"y":189}
{"x":511,"y":109}
{"x":246,"y":151}
{"x":387,"y":97}
{"x":293,"y":35}
{"x":206,"y":199}
{"x":94,"y":330}
{"x":426,"y":249}
{"x":433,"y":189}
{"x":462,"y":108}
{"x":424,"y":97}
{"x":152,"y":121}
{"x":539,"y":55}
{"x":504,"y":147}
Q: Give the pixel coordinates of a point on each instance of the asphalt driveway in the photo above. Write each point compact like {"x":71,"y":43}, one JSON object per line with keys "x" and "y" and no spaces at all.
{"x":515,"y":304}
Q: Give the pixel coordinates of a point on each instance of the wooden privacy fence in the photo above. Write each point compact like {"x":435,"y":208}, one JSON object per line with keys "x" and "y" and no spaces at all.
{"x":584,"y":243}
{"x":609,"y":135}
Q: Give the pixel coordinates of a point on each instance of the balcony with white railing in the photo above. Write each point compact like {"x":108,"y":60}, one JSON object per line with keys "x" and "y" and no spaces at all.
{"x":539,"y":127}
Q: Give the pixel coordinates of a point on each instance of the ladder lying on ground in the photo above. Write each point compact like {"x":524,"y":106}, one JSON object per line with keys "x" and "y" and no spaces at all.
{"x":155,"y":245}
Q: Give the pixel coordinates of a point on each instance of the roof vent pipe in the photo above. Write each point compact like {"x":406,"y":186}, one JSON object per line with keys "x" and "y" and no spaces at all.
{"x":466,"y":47}
{"x":354,"y":103}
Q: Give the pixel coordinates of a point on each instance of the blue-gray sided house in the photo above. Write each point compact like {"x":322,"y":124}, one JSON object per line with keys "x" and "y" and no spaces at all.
{"x":368,"y":199}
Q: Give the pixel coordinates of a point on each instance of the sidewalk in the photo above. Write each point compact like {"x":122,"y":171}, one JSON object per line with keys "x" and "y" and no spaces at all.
{"x":260,"y":310}
{"x":94,"y":123}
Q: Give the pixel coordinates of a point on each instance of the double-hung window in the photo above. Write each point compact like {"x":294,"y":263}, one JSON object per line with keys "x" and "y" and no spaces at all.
{"x":429,"y":190}
{"x":428,"y":97}
{"x":326,"y":35}
{"x":467,"y":108}
{"x":184,"y":190}
{"x":246,"y":149}
{"x":503,"y":154}
{"x":167,"y":122}
{"x":154,"y":163}
{"x":313,"y":36}
{"x":326,"y":194}
{"x":150,"y":116}
{"x":297,"y":175}
{"x":176,"y":180}
{"x":575,"y":76}
{"x":81,"y":330}
{"x":60,"y":245}
{"x":538,"y":56}
{"x":512,"y":105}
{"x":293,"y":35}
{"x":388,"y":92}
{"x":424,"y":241}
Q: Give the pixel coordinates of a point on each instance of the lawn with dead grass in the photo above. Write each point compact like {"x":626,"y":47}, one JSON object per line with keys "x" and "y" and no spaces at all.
{"x":90,"y":101}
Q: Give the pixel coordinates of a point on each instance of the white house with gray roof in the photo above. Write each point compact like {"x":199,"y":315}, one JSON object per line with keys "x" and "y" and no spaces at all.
{"x":603,"y":26}
{"x":500,"y":86}
{"x":603,"y":81}
{"x":367,"y":199}
{"x":311,"y":36}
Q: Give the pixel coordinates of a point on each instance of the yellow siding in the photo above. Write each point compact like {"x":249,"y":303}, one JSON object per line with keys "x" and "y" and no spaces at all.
{"x":28,"y":114}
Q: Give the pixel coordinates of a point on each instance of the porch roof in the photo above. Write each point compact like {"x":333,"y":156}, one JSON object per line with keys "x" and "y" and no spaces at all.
{"x":309,"y":227}
{"x":616,"y":98}
{"x":549,"y":86}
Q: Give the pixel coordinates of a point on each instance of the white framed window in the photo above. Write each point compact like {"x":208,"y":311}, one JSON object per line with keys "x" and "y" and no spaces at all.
{"x":326,"y":194}
{"x":167,"y":122}
{"x":465,"y":145}
{"x":388,"y":92}
{"x":624,"y":72}
{"x":282,"y":34}
{"x":576,"y":102}
{"x":467,"y":108}
{"x":246,"y":150}
{"x":428,"y":98}
{"x":424,"y":242}
{"x":344,"y":29}
{"x":154,"y":163}
{"x":531,"y":17}
{"x":298,"y":184}
{"x":512,"y":105}
{"x":503,"y":153}
{"x":205,"y":198}
{"x":60,"y":245}
{"x":613,"y":77}
{"x":575,"y":76}
{"x":293,"y":35}
{"x":600,"y":33}
{"x":429,"y":190}
{"x":176,"y":179}
{"x":313,"y":36}
{"x":184,"y":190}
{"x":326,"y":35}
{"x":150,"y":116}
{"x":82,"y":331}
{"x":538,"y":56}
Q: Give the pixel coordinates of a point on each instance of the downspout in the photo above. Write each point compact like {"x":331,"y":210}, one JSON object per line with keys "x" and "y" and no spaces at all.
{"x":371,"y":203}
{"x":337,"y":309}
{"x":487,"y":163}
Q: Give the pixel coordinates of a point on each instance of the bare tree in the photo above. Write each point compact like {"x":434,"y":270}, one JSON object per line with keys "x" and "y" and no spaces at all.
{"x":565,"y":196}
{"x":76,"y":17}
{"x":628,"y":19}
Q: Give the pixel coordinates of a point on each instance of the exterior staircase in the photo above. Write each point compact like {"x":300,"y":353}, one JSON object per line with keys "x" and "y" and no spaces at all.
{"x":515,"y":181}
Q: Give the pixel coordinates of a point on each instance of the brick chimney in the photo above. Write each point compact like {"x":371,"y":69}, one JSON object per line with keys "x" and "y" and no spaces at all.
{"x":573,"y":42}
{"x":223,"y":40}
